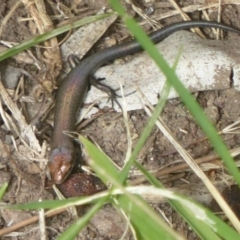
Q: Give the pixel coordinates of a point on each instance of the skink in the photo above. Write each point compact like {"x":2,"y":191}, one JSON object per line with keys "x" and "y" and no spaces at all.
{"x":72,"y":91}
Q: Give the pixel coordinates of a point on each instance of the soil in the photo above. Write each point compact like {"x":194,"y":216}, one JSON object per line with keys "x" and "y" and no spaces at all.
{"x":107,"y":129}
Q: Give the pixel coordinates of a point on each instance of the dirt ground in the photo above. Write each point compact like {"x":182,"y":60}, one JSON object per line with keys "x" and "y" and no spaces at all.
{"x":108,"y":130}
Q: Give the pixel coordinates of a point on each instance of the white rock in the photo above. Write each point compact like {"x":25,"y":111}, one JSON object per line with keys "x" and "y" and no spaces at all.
{"x":203,"y":65}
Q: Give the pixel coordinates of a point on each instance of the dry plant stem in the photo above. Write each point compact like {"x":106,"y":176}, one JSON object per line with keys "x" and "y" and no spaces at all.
{"x":29,"y":221}
{"x":193,"y":8}
{"x":42,"y":113}
{"x":173,"y":150}
{"x":53,"y":55}
{"x":53,"y":58}
{"x":82,"y":125}
{"x":147,"y":146}
{"x":5,"y":120}
{"x":25,"y":129}
{"x":207,"y":18}
{"x":126,"y":122}
{"x":47,"y":21}
{"x":212,"y":189}
{"x":186,"y":17}
{"x":75,"y":18}
{"x":17,"y":96}
{"x":139,"y":11}
{"x":183,"y":166}
{"x":8,"y":16}
{"x":61,"y":8}
{"x":42,"y":224}
{"x":173,"y":169}
{"x":72,"y":209}
{"x":227,"y":130}
{"x":234,"y":2}
{"x":172,"y":178}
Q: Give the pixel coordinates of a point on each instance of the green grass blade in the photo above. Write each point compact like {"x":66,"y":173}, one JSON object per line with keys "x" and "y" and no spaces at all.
{"x":53,"y":33}
{"x":75,"y":228}
{"x":137,"y":209}
{"x":186,"y":97}
{"x":3,"y":190}
{"x":200,"y":227}
{"x":53,"y":204}
{"x":149,"y":126}
{"x":47,"y":204}
{"x":108,"y":173}
{"x":140,"y":215}
{"x":184,"y":94}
